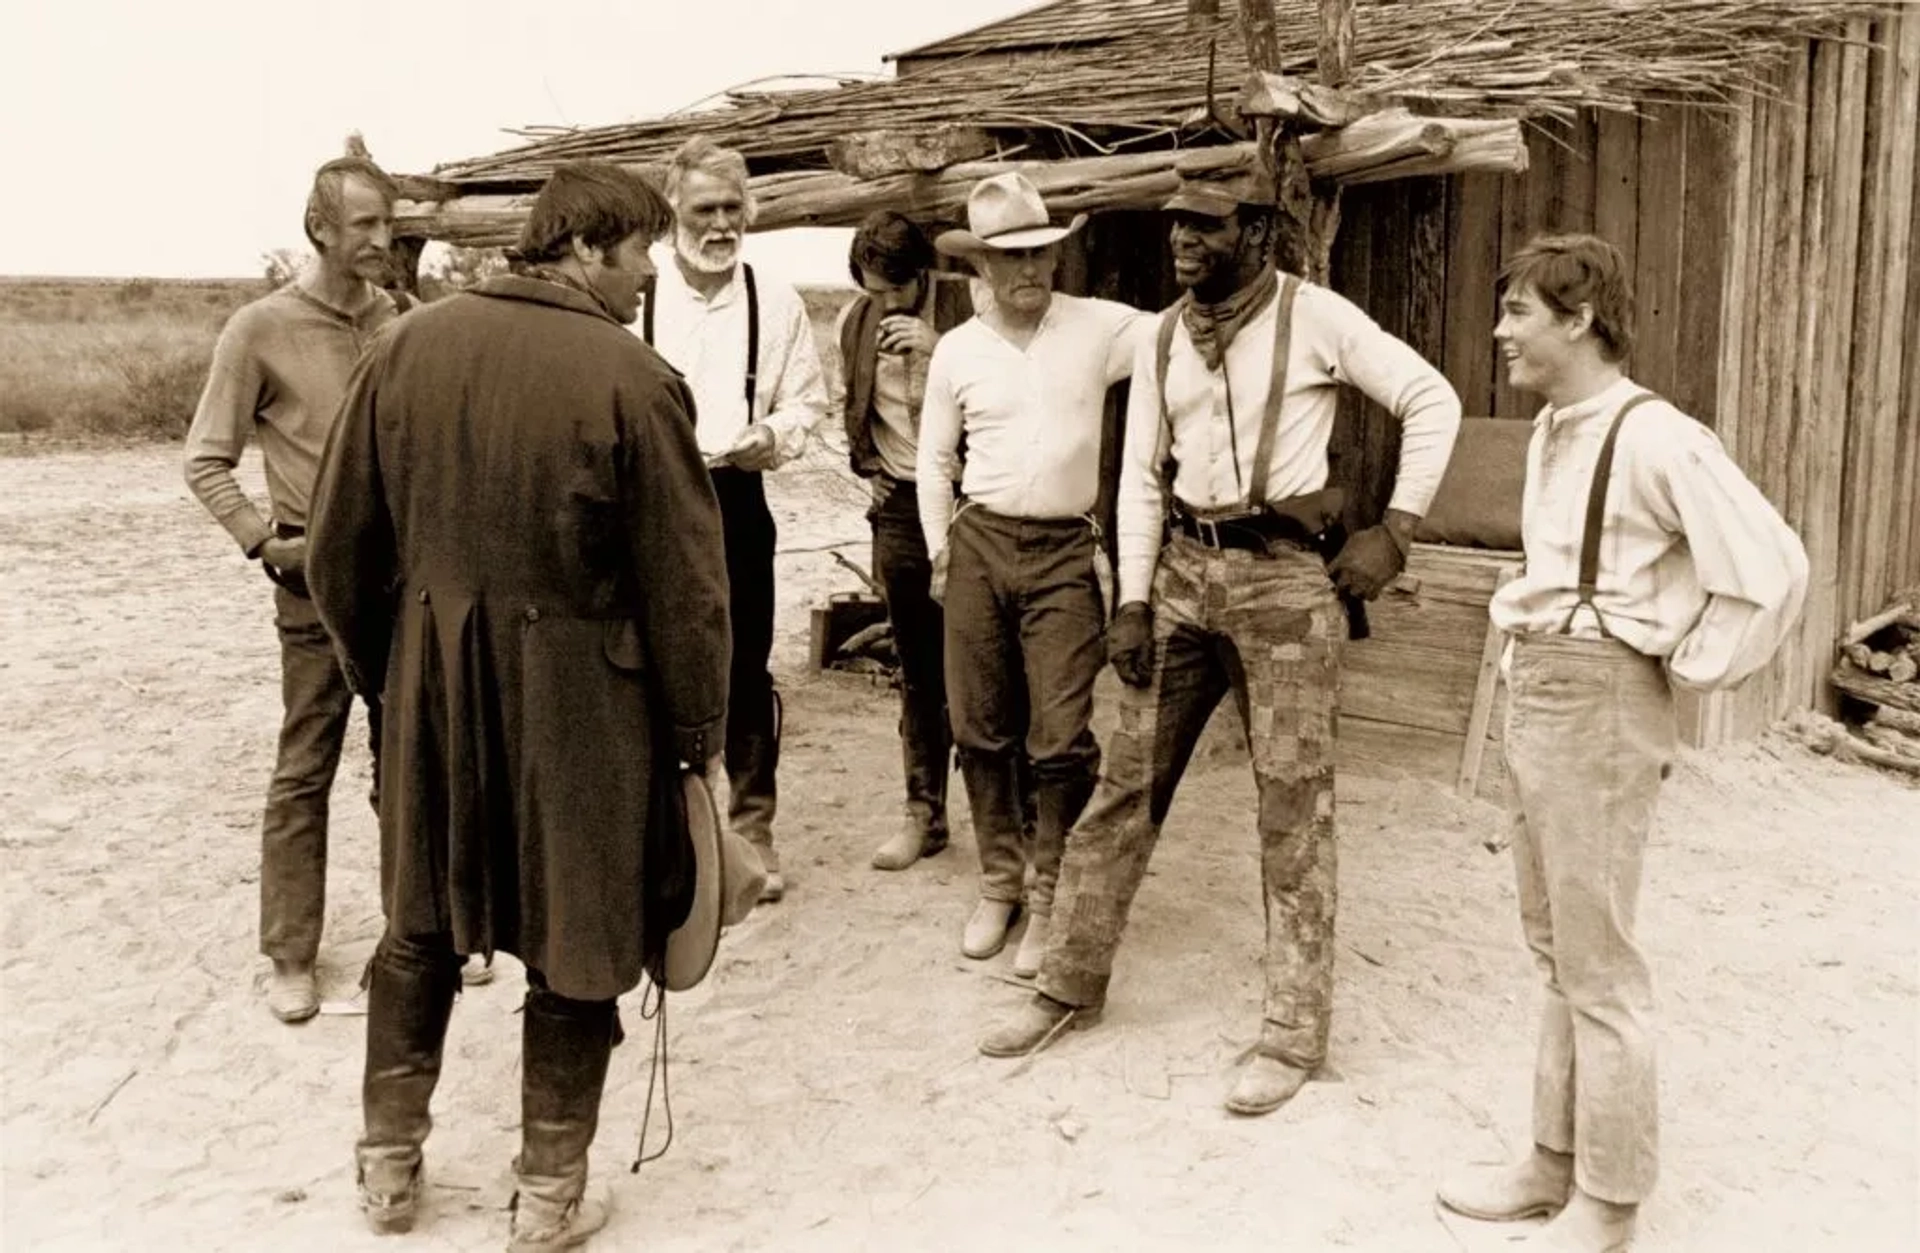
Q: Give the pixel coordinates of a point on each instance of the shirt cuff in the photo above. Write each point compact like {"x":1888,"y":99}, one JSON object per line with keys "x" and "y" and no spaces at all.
{"x":249,"y":530}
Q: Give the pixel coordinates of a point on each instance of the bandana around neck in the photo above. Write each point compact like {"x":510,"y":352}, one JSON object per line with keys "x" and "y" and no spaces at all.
{"x":1212,"y":327}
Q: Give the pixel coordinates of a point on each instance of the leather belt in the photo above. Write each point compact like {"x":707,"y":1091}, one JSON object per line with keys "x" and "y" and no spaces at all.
{"x":1253,"y":532}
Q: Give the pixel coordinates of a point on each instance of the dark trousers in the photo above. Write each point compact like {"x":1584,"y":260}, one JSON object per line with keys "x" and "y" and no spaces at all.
{"x":1024,"y":644}
{"x":753,"y":719}
{"x":904,"y":572}
{"x":316,"y":707}
{"x":565,"y":1048}
{"x":1270,"y":630}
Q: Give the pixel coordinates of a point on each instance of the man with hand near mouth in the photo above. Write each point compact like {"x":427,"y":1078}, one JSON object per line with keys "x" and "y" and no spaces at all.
{"x":1025,"y":382}
{"x":1227,"y":432}
{"x":279,"y":370}
{"x":746,"y":349}
{"x":1652,"y":562}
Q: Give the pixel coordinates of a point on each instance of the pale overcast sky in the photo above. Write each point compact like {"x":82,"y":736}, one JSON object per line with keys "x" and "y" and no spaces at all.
{"x":176,"y":137}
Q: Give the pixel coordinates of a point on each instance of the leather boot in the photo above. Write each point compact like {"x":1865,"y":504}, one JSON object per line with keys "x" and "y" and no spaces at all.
{"x":1033,"y":948}
{"x":1533,"y":1187}
{"x":912,"y":842}
{"x":565,"y":1047}
{"x":1037,"y":1023}
{"x":409,"y":1002}
{"x":986,"y":932}
{"x":1268,"y":1079}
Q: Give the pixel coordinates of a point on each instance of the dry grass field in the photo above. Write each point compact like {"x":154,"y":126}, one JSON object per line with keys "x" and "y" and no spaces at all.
{"x":826,"y":1091}
{"x":113,"y":357}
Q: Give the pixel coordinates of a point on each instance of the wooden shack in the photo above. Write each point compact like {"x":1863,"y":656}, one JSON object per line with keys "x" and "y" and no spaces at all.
{"x":1754,"y":159}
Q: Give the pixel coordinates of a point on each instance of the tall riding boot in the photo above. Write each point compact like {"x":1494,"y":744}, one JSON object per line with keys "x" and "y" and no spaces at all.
{"x":565,"y":1046}
{"x":410,"y":993}
{"x":1057,"y":802}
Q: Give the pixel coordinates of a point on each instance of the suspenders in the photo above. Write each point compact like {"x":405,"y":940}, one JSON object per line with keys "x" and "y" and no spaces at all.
{"x":753,"y":332}
{"x":1596,"y":520}
{"x":1276,"y":393}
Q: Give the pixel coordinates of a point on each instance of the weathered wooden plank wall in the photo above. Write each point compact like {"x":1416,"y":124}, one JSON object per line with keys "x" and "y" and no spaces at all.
{"x":1820,"y":332}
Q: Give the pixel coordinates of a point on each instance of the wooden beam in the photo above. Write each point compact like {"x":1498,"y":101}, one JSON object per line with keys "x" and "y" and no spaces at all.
{"x":1394,"y":145}
{"x":878,"y":153}
{"x":1295,"y":100}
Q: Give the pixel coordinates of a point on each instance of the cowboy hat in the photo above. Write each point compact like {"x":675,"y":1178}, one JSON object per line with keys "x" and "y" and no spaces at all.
{"x":1005,"y":211}
{"x":727,"y":880}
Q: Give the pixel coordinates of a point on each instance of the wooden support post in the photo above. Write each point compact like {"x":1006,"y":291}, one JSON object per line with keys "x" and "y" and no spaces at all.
{"x":1307,"y":218}
{"x":1334,"y":51}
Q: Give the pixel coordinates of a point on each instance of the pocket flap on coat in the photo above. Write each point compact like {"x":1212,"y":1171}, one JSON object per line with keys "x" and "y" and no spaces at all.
{"x":621,"y":640}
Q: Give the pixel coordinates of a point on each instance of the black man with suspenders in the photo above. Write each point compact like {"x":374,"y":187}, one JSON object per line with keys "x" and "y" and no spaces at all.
{"x":746,"y":349}
{"x":1226,"y":521}
{"x":1651,"y":562}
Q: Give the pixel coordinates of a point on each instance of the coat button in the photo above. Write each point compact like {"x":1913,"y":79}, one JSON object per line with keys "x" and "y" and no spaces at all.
{"x":423,"y":595}
{"x":533,"y":614}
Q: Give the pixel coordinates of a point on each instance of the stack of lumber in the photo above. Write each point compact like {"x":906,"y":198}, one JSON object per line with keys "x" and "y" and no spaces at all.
{"x":1884,"y":647}
{"x":1880,"y":665}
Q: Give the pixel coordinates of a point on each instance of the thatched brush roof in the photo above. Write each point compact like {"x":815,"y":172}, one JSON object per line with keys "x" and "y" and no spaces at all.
{"x":1146,"y":86}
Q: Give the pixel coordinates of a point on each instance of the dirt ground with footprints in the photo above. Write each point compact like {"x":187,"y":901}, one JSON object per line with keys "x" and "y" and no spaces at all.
{"x":826,"y":1092}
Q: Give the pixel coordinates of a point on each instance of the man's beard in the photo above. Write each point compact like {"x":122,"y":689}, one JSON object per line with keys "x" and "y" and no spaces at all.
{"x":688,"y":245}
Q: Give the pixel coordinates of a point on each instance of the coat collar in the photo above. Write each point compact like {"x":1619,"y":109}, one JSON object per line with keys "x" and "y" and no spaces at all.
{"x":540,"y":291}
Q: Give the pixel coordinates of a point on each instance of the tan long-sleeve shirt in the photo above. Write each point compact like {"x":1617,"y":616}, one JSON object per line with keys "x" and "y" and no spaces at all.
{"x":280,"y":371}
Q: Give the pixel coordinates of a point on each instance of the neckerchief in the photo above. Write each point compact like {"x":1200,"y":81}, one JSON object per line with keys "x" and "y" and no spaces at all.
{"x":1212,"y":327}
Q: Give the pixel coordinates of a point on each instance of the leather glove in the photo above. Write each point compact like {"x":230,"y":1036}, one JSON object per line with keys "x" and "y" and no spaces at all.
{"x":1367,"y":562}
{"x":1130,"y":643}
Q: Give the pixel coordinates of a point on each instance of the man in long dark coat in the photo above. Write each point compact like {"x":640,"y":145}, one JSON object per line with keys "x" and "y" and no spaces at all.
{"x":516,"y":541}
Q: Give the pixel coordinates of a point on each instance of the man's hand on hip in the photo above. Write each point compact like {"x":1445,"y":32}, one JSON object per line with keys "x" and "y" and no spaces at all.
{"x":286,"y":555}
{"x":756,"y":449}
{"x":1130,"y":643}
{"x":1373,"y":558}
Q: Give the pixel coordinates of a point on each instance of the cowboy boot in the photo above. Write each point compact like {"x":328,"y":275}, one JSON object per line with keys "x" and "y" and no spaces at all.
{"x":409,"y":1002}
{"x":1533,"y":1187}
{"x":565,"y":1047}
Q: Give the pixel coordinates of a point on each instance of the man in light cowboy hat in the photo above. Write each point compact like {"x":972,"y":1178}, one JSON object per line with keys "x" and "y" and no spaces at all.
{"x":1226,"y":448}
{"x":1025,"y":383}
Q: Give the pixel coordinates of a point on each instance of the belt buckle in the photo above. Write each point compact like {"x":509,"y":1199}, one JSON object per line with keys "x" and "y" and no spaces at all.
{"x":1209,"y":533}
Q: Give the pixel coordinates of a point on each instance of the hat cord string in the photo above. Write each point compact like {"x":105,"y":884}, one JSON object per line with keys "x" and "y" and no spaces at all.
{"x":656,"y":1069}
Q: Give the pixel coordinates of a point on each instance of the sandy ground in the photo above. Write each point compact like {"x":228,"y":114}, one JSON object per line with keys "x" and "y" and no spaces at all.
{"x":826,"y":1089}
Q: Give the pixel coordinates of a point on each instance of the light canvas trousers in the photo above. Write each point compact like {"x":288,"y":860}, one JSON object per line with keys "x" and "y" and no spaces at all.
{"x":1590,"y":730}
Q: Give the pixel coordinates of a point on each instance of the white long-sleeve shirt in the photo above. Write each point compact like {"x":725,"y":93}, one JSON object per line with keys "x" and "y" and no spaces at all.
{"x":1696,"y":565}
{"x":1032,"y":416}
{"x":1215,"y":418}
{"x":705,"y":338}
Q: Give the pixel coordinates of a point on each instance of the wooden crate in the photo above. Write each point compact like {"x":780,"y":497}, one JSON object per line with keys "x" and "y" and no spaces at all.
{"x":1421,"y":699}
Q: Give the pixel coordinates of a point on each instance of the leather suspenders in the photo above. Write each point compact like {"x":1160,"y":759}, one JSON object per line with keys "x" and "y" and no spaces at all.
{"x":753,"y":332}
{"x":1276,"y":393}
{"x":1596,"y":520}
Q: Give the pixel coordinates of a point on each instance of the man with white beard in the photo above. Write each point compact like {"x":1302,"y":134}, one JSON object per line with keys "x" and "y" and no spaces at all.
{"x":744,"y":344}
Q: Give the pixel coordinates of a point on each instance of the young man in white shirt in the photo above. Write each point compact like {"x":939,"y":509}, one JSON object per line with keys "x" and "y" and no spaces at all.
{"x":1025,"y":382}
{"x":746,"y":349}
{"x":1228,"y":428}
{"x":1651,"y":562}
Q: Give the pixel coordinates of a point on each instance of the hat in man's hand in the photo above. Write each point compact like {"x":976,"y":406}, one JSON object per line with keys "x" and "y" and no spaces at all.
{"x":728,"y":876}
{"x":1005,"y":211}
{"x":1213,"y":190}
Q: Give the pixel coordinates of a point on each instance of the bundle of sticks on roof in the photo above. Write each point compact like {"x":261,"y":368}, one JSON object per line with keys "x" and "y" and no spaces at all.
{"x":1146,"y":83}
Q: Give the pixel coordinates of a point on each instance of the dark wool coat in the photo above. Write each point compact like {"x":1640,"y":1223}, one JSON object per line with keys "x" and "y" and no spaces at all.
{"x":516,"y":543}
